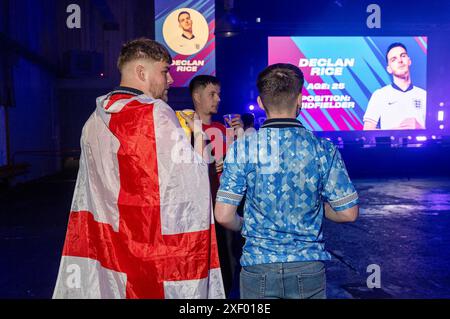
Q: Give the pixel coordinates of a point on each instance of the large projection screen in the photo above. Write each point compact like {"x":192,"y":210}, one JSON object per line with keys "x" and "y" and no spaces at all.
{"x":349,"y":84}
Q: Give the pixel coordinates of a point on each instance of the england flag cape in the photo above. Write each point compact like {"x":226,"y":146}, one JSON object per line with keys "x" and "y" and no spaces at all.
{"x":141,"y":223}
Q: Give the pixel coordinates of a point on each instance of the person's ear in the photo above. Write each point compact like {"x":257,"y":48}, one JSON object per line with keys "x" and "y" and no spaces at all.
{"x":299,"y":104}
{"x":388,"y":68}
{"x":196,"y":97}
{"x":260,"y":103}
{"x":140,"y":72}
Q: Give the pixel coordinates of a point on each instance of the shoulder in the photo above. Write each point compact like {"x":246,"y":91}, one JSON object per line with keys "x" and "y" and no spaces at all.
{"x":419,"y":90}
{"x":161,"y":109}
{"x":381,"y":91}
{"x":326,"y":145}
{"x":158,"y":104}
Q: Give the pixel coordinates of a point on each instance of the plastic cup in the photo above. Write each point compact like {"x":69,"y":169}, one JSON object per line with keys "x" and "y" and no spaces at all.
{"x":229,"y":117}
{"x":182,"y":121}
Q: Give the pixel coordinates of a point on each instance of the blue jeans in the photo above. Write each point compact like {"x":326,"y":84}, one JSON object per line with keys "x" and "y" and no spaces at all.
{"x":291,"y":280}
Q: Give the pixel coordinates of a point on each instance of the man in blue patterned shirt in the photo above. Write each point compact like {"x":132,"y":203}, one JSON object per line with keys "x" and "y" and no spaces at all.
{"x":291,"y":179}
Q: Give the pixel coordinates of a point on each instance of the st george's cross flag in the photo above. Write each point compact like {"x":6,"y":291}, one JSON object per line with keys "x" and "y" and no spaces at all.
{"x":141,"y":223}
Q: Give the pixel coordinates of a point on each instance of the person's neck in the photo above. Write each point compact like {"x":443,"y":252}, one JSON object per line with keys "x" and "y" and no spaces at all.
{"x":403,"y":83}
{"x":289,"y":115}
{"x":206,"y":118}
{"x":188,"y":34}
{"x":132,"y":85}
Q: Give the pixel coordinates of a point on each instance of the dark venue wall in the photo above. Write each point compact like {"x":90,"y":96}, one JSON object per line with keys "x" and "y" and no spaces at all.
{"x":56,"y":72}
{"x":88,"y":56}
{"x":28,"y":36}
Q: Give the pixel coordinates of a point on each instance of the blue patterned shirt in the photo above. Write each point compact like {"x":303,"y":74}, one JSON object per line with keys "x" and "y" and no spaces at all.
{"x":286,"y":174}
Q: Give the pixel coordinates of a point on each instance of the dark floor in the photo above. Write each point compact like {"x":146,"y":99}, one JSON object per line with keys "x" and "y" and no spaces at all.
{"x":403,"y":227}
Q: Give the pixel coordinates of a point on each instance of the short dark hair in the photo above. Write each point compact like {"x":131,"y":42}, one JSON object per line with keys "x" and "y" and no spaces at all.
{"x":143,"y":48}
{"x":202,"y":81}
{"x":394,"y":45}
{"x":183,"y":12}
{"x":279,"y":85}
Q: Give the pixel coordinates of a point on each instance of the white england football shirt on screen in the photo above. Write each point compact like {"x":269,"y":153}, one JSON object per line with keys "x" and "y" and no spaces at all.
{"x":390,"y":105}
{"x":185,"y":46}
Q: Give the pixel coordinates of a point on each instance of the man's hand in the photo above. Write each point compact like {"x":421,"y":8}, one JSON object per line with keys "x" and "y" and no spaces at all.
{"x":199,"y":136}
{"x":190,"y":119}
{"x":236,"y":124}
{"x":219,"y":166}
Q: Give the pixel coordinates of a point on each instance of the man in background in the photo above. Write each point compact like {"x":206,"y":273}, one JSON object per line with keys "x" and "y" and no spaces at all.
{"x":205,"y":92}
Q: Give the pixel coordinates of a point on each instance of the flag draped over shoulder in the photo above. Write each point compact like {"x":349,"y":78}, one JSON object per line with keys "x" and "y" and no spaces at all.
{"x":141,"y":223}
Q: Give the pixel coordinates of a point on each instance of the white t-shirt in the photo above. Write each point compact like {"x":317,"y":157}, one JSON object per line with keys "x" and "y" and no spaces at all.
{"x":185,"y":46}
{"x":390,"y":105}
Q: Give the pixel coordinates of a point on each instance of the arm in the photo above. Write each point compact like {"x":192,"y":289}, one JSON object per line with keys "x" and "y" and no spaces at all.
{"x":348,"y":215}
{"x":226,"y":216}
{"x":369,"y":125}
{"x":233,"y":186}
{"x":372,"y":114}
{"x":339,"y":195}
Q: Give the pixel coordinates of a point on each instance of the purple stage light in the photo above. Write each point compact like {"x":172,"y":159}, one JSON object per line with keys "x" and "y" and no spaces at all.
{"x":440,"y":116}
{"x":441,"y":127}
{"x":441,"y":104}
{"x":409,"y":138}
{"x":251,"y":107}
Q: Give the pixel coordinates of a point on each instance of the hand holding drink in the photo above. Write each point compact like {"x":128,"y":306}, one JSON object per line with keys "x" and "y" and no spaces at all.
{"x":233,"y":121}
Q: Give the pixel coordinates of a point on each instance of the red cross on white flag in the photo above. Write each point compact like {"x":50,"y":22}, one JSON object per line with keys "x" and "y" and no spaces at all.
{"x":141,"y":224}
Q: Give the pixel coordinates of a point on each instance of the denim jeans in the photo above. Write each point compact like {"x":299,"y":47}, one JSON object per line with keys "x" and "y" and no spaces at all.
{"x":291,"y":280}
